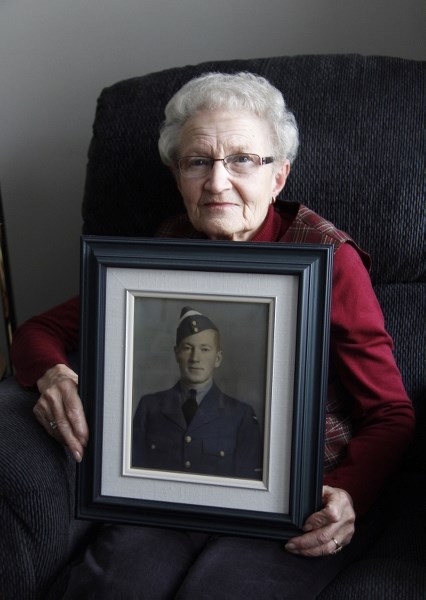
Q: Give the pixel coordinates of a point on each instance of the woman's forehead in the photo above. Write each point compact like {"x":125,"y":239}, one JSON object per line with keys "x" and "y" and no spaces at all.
{"x":236,"y":131}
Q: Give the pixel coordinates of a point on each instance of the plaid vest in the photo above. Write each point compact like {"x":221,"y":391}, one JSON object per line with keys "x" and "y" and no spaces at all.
{"x":308,"y":227}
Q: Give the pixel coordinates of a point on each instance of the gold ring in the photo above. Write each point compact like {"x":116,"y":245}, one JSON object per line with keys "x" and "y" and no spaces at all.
{"x":338,"y":546}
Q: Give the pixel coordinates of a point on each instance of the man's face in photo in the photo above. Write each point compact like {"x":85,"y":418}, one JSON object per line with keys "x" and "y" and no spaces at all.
{"x":198,"y":355}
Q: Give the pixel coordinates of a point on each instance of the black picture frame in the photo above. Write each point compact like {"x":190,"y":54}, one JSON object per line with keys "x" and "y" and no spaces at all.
{"x":294,"y":282}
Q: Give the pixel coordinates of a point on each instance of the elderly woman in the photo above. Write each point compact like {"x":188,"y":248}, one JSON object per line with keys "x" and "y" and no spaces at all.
{"x":230,"y":141}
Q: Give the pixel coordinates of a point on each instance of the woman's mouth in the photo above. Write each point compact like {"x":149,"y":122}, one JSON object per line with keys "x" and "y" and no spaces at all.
{"x":219,"y":205}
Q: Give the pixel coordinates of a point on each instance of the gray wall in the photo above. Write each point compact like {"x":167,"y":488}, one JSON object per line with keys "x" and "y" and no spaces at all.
{"x":56,"y":56}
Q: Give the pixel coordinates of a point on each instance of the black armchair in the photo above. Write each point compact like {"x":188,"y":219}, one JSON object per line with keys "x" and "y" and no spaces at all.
{"x":361,"y":165}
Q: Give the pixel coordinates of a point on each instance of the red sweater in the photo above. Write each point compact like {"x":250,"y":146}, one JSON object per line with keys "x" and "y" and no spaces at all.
{"x":362,"y":374}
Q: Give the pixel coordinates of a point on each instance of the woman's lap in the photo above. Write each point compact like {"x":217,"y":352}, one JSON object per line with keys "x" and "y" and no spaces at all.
{"x":248,"y":569}
{"x":134,"y":563}
{"x":154,"y":564}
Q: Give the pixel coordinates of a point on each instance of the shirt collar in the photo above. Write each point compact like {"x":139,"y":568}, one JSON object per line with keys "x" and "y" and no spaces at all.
{"x":201,"y":391}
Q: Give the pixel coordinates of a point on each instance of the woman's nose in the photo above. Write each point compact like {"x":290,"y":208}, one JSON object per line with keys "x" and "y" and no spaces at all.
{"x":218,"y":179}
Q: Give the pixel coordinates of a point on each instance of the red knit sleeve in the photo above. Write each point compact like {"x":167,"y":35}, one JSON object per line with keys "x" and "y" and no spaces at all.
{"x":45,"y":340}
{"x":361,"y":359}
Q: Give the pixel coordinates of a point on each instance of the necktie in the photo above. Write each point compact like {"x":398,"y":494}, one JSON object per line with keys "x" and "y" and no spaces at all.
{"x":190,"y":406}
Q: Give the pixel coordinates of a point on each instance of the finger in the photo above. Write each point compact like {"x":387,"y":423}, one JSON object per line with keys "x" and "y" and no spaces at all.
{"x":327,"y":540}
{"x":337,"y":546}
{"x":58,"y":428}
{"x":75,"y":414}
{"x":50,"y":409}
{"x":337,"y":508}
{"x":59,"y":408}
{"x":310,"y":546}
{"x":52,"y":429}
{"x":44,"y":417}
{"x":66,"y":434}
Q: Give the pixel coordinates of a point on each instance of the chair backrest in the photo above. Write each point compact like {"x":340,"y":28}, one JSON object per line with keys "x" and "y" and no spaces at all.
{"x":361,"y":165}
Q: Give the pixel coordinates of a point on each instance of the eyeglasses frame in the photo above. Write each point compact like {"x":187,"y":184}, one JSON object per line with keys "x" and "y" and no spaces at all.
{"x":263,"y":160}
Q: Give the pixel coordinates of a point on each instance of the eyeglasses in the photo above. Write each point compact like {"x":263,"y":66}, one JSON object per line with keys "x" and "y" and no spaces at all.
{"x":235,"y":164}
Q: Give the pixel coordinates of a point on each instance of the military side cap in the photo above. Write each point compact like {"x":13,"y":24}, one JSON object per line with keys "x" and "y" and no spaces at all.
{"x":191,"y":322}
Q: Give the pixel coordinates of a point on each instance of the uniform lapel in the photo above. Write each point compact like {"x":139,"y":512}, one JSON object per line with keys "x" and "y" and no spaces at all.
{"x":171,"y":406}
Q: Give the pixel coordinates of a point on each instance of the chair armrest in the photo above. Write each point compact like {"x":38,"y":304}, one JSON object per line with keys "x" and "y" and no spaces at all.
{"x":36,"y":497}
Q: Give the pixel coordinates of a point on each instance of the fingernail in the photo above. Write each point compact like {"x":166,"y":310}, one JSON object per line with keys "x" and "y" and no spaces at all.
{"x":77,"y":456}
{"x":290,"y":547}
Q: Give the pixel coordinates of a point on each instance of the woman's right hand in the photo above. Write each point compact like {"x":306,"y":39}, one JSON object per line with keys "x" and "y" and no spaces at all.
{"x":60,"y":411}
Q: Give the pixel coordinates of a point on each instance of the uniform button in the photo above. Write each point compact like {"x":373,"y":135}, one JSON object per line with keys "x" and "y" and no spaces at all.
{"x":222,"y":453}
{"x":153,"y":446}
{"x":188,"y":464}
{"x":188,"y":439}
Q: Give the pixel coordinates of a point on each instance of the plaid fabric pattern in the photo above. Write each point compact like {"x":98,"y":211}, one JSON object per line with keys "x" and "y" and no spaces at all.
{"x":309,"y":228}
{"x":338,"y":427}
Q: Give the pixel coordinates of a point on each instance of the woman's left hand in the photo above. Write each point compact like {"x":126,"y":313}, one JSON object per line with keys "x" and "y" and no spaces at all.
{"x":328,"y":530}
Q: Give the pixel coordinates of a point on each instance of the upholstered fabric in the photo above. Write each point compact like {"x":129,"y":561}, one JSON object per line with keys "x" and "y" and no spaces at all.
{"x":37,"y":530}
{"x":361,"y":165}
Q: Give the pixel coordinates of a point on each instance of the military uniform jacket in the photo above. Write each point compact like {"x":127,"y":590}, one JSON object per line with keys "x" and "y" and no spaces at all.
{"x":222,"y":439}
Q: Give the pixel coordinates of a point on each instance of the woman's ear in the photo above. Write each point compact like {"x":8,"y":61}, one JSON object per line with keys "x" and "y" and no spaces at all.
{"x":280,"y":178}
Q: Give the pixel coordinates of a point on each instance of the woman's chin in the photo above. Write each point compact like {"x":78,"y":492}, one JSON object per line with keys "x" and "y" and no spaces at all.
{"x":217,"y":229}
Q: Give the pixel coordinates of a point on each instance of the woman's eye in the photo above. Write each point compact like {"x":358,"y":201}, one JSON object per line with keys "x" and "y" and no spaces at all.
{"x":198,"y":162}
{"x":242,"y":159}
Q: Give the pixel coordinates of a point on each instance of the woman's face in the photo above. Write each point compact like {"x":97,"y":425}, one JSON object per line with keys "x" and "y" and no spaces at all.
{"x":222,"y":205}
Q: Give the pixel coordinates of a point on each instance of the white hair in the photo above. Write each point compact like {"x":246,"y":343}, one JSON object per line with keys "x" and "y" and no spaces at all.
{"x":236,"y":92}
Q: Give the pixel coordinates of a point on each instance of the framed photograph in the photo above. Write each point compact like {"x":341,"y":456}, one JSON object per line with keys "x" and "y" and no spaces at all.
{"x":203,"y":376}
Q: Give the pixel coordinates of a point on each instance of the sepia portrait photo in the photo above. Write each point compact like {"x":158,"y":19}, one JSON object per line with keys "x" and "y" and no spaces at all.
{"x":200,"y":371}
